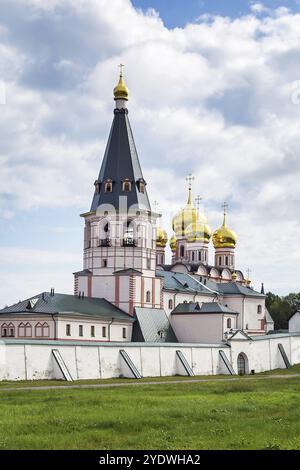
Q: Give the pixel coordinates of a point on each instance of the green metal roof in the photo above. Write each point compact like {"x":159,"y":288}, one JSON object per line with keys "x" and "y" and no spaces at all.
{"x":150,"y":323}
{"x":65,"y":304}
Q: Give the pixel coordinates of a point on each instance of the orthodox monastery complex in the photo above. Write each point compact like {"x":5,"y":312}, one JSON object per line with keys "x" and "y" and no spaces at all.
{"x":132,"y":314}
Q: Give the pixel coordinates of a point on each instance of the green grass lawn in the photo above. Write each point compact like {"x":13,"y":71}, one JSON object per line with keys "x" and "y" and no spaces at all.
{"x":244,"y":414}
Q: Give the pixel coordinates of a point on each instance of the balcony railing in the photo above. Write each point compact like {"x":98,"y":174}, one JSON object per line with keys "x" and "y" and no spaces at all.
{"x":105,"y":242}
{"x":128,"y":242}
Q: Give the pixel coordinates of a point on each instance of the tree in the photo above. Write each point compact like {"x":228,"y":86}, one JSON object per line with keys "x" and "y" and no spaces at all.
{"x":282,"y":308}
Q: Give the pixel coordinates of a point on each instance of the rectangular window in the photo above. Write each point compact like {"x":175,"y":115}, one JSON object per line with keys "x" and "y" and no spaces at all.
{"x":68,"y":330}
{"x":80,"y":330}
{"x":104,"y":331}
{"x":104,"y":263}
{"x":92,"y":331}
{"x":124,"y":333}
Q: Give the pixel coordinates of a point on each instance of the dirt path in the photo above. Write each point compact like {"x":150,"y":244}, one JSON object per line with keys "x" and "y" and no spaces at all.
{"x":160,"y":382}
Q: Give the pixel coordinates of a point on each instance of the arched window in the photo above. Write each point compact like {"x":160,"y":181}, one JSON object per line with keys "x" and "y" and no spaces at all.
{"x":259,"y":309}
{"x":228,"y":322}
{"x":21,"y":329}
{"x":199,"y":255}
{"x":4,"y":330}
{"x":38,"y":330}
{"x":126,"y":185}
{"x":181,"y":251}
{"x":108,"y":186}
{"x":148,"y":296}
{"x":226,"y":260}
{"x":11,"y":330}
{"x":97,"y":187}
{"x":141,"y":186}
{"x":28,"y":330}
{"x":193,"y":256}
{"x":170,"y":303}
{"x":45,"y":330}
{"x":220,"y":260}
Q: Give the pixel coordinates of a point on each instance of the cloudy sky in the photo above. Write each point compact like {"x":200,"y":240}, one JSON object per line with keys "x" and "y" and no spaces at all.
{"x":214,"y":90}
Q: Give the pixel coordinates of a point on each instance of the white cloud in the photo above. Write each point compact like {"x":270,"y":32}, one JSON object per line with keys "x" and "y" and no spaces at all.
{"x":214,"y":98}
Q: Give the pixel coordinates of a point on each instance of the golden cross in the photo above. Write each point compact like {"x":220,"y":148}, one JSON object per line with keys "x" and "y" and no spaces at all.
{"x":189,"y":179}
{"x":225,"y":207}
{"x":198,"y":199}
{"x":121,"y":69}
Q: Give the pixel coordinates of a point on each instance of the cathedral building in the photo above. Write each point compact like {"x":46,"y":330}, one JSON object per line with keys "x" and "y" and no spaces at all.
{"x":125,"y":290}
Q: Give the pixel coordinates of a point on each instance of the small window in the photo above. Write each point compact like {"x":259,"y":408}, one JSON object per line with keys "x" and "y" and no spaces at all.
{"x":170,"y":303}
{"x":4,"y":332}
{"x":126,"y":185}
{"x":220,"y":260}
{"x":228,"y":322}
{"x":104,"y":263}
{"x":199,"y":256}
{"x":80,"y":330}
{"x":124,"y":333}
{"x":148,"y":263}
{"x":108,"y":186}
{"x":148,"y":296}
{"x":68,"y":330}
{"x":182,"y":251}
{"x":97,"y":187}
{"x":92,"y":331}
{"x":259,"y":309}
{"x":11,"y":332}
{"x":226,"y":260}
{"x":193,"y":256}
{"x":104,"y":331}
{"x":142,"y":187}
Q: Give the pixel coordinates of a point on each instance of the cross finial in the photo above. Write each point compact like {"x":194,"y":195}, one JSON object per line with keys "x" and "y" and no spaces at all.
{"x":198,"y":199}
{"x":190,"y":178}
{"x":225,"y":207}
{"x":121,"y":69}
{"x":155,"y":204}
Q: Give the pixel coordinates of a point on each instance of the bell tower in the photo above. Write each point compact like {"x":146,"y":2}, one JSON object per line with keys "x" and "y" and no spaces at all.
{"x":119,"y":255}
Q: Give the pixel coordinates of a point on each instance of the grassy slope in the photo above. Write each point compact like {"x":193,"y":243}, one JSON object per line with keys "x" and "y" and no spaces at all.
{"x":252,"y":414}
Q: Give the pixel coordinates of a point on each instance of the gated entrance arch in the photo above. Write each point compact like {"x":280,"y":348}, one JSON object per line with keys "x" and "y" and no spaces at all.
{"x":242,"y":364}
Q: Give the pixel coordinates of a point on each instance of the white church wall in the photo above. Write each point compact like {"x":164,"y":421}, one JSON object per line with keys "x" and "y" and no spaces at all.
{"x":33,"y":360}
{"x":198,"y":328}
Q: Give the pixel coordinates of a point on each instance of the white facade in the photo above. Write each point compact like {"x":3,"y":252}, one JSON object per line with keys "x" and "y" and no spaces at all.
{"x":67,"y":328}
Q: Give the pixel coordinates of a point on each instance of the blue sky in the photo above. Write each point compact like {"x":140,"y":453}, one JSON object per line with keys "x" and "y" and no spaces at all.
{"x":218,"y":97}
{"x":178,"y":13}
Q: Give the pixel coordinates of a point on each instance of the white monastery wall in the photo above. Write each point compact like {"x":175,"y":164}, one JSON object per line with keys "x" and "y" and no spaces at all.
{"x":34,"y":360}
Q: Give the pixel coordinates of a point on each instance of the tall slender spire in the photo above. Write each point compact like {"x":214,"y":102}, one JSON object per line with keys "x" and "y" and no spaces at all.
{"x":121,"y":175}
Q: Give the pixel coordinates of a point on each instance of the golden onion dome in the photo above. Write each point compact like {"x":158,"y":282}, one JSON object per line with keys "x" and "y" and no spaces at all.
{"x":161,"y":238}
{"x":173,"y":243}
{"x":198,"y":231}
{"x":224,"y":237}
{"x":121,"y":90}
{"x":185,"y":217}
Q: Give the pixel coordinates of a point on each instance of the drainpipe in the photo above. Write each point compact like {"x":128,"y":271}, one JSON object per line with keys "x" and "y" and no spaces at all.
{"x":109,"y":325}
{"x":243,"y":313}
{"x":55,"y":327}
